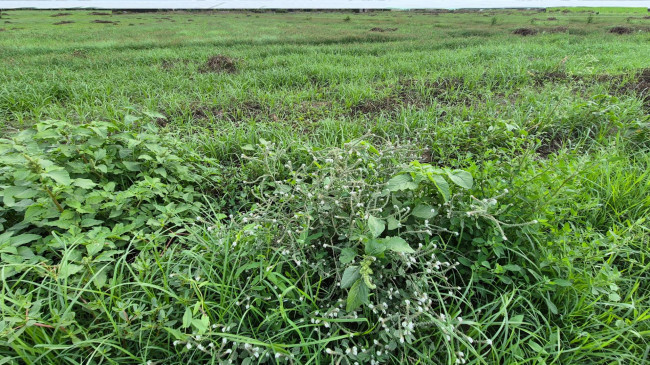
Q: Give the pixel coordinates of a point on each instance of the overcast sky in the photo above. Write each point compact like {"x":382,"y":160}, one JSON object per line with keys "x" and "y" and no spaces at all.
{"x":337,"y":4}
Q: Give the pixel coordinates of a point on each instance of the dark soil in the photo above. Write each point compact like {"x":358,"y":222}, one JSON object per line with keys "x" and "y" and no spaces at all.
{"x":60,"y":14}
{"x":621,"y":30}
{"x":219,"y":63}
{"x":234,"y":114}
{"x":103,"y":21}
{"x":551,"y":18}
{"x":641,"y":86}
{"x":2,"y":29}
{"x":414,"y":93}
{"x":559,"y":30}
{"x":549,"y":147}
{"x":99,"y":13}
{"x":524,"y":31}
{"x":376,"y":29}
{"x":63,"y":22}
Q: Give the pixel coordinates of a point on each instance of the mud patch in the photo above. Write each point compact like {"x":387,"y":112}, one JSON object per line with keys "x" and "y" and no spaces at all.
{"x":558,"y":30}
{"x":415,"y":93}
{"x":79,"y":53}
{"x":63,"y":22}
{"x":524,"y":32}
{"x":621,"y":30}
{"x":234,"y":114}
{"x":640,"y":86}
{"x":381,"y":30}
{"x":549,"y":147}
{"x":561,"y":76}
{"x":60,"y":14}
{"x":219,"y":63}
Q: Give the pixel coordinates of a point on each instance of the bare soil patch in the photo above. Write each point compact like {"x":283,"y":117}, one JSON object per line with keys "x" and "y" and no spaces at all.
{"x":551,"y":18}
{"x":63,"y":22}
{"x":377,"y":29}
{"x":60,"y":14}
{"x":414,"y":93}
{"x":559,"y":30}
{"x":621,"y":30}
{"x":524,"y":32}
{"x":99,"y":13}
{"x":219,"y":63}
{"x":99,"y":21}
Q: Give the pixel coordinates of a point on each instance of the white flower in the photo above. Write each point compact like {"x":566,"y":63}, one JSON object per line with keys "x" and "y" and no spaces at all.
{"x":489,"y":342}
{"x":189,"y":345}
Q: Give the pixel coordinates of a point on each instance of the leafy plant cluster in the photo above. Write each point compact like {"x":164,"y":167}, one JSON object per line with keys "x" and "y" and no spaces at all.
{"x":97,"y":188}
{"x":374,"y":232}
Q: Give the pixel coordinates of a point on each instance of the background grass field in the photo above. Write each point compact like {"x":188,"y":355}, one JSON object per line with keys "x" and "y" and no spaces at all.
{"x":209,"y":187}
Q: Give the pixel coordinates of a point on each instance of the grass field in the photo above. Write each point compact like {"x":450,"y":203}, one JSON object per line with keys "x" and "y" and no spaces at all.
{"x":325,"y":188}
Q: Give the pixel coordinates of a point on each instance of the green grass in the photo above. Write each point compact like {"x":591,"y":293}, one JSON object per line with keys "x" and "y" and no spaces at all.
{"x":445,"y":192}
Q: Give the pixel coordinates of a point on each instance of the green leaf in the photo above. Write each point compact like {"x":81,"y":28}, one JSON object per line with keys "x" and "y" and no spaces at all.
{"x":537,"y":348}
{"x":66,"y":270}
{"x":130,"y":119}
{"x":614,"y":297}
{"x":442,"y":185}
{"x":131,"y":166}
{"x":376,"y":226}
{"x":94,"y":247}
{"x":59,"y":176}
{"x":100,"y":279}
{"x":398,"y":244}
{"x":202,"y":324}
{"x":392,"y":223}
{"x":350,"y":275}
{"x":357,"y":296}
{"x":23,"y":238}
{"x":562,"y":282}
{"x":187,"y":318}
{"x":461,"y":178}
{"x":374,"y":247}
{"x":401,"y":182}
{"x":424,"y":211}
{"x":84,"y":183}
{"x":347,"y":255}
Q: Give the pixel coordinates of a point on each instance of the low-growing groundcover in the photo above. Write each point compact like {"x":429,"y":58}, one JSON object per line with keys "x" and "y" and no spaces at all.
{"x":499,"y":219}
